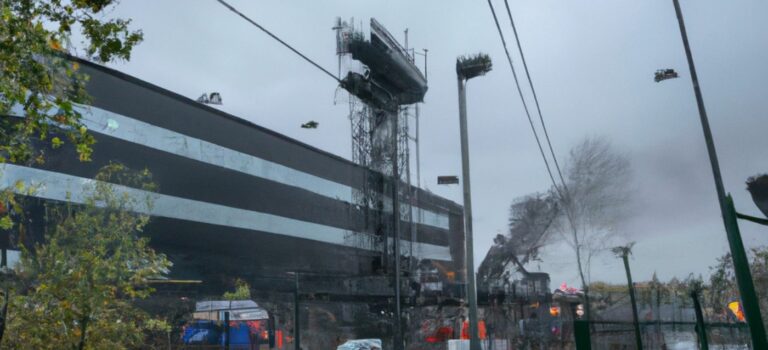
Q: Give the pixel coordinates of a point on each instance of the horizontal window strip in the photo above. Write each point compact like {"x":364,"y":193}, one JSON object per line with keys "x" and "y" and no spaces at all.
{"x":62,"y":187}
{"x":128,"y":129}
{"x":132,"y":130}
{"x":186,"y":178}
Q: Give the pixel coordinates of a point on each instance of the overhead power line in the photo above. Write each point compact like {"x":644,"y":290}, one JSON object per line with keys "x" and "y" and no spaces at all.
{"x":522,"y":98}
{"x":225,"y":4}
{"x":535,"y":97}
{"x":564,"y":194}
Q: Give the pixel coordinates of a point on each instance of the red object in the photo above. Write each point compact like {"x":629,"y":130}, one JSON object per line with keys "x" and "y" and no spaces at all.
{"x":433,"y":339}
{"x":480,"y":330}
{"x":569,"y":290}
{"x":441,"y":335}
{"x":258,"y":328}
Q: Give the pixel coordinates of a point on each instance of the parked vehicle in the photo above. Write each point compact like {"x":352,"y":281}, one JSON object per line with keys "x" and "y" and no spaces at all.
{"x":361,"y":344}
{"x":248,"y":325}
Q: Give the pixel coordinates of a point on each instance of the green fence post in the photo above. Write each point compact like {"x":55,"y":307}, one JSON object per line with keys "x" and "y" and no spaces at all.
{"x":700,"y":326}
{"x":741,"y":265}
{"x":744,"y":278}
{"x":581,"y":335}
{"x":631,"y":286}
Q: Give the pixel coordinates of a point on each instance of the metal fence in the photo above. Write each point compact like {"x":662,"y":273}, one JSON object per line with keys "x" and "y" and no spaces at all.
{"x":620,"y":335}
{"x":612,"y":335}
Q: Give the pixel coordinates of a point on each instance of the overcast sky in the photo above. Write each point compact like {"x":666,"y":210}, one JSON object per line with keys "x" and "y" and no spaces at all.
{"x":592,"y":63}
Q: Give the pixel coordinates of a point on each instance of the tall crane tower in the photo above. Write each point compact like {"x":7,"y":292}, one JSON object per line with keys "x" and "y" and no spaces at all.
{"x":386,"y":82}
{"x":383,"y":85}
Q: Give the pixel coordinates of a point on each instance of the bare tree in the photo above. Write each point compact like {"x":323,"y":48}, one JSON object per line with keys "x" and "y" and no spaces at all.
{"x":594,"y":202}
{"x":530,"y":219}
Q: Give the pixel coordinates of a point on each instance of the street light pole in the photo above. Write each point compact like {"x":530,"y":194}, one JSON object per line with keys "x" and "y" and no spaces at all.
{"x":700,"y":326}
{"x":738,"y":254}
{"x":702,"y":111}
{"x":624,"y":252}
{"x":465,"y":70}
{"x":474,"y":341}
{"x":296,"y":314}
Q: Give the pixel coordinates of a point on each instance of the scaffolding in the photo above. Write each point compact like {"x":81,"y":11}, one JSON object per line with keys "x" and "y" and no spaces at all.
{"x":372,"y":111}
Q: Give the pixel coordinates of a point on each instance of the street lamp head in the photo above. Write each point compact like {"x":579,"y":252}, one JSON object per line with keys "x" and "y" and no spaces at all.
{"x":664,"y":74}
{"x":447,"y":180}
{"x":758,"y":187}
{"x":622,"y":251}
{"x":468,"y":67}
{"x":213,"y":98}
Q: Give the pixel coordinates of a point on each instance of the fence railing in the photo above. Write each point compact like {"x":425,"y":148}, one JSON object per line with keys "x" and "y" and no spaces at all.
{"x":599,"y":335}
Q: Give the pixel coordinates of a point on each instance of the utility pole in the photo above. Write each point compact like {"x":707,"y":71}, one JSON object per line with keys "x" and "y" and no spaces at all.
{"x":226,"y":328}
{"x":396,"y":227}
{"x":467,"y":68}
{"x":418,"y":153}
{"x":624,"y":252}
{"x":474,"y":341}
{"x":740,"y":261}
{"x":296,"y":310}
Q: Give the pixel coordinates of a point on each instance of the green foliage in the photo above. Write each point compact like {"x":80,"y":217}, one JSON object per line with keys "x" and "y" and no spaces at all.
{"x":36,"y":76}
{"x":600,"y":287}
{"x":11,"y":206}
{"x":6,"y":223}
{"x":242,"y":291}
{"x":723,"y":284}
{"x":80,"y":283}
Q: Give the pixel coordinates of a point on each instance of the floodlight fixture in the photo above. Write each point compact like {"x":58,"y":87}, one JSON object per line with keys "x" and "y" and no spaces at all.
{"x":447,"y":180}
{"x":310,"y":125}
{"x":213,"y":98}
{"x":664,"y":74}
{"x":468,"y":67}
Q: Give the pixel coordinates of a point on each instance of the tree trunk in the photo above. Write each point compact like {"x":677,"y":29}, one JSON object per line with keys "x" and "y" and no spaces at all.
{"x":84,"y":328}
{"x":4,"y":316}
{"x":631,"y":286}
{"x":584,"y":285}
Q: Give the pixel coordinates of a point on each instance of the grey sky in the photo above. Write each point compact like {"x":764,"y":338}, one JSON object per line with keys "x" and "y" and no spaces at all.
{"x":592,"y":62}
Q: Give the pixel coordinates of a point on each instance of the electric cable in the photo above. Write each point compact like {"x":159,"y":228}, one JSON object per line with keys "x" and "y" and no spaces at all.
{"x":225,"y":4}
{"x":522,"y":98}
{"x":535,"y":97}
{"x":564,"y":195}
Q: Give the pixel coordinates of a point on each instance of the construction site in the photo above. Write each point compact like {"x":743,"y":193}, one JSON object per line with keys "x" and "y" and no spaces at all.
{"x":353,"y":243}
{"x":136,"y":212}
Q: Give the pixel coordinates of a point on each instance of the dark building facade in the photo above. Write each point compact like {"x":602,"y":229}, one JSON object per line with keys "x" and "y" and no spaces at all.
{"x":237,"y":200}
